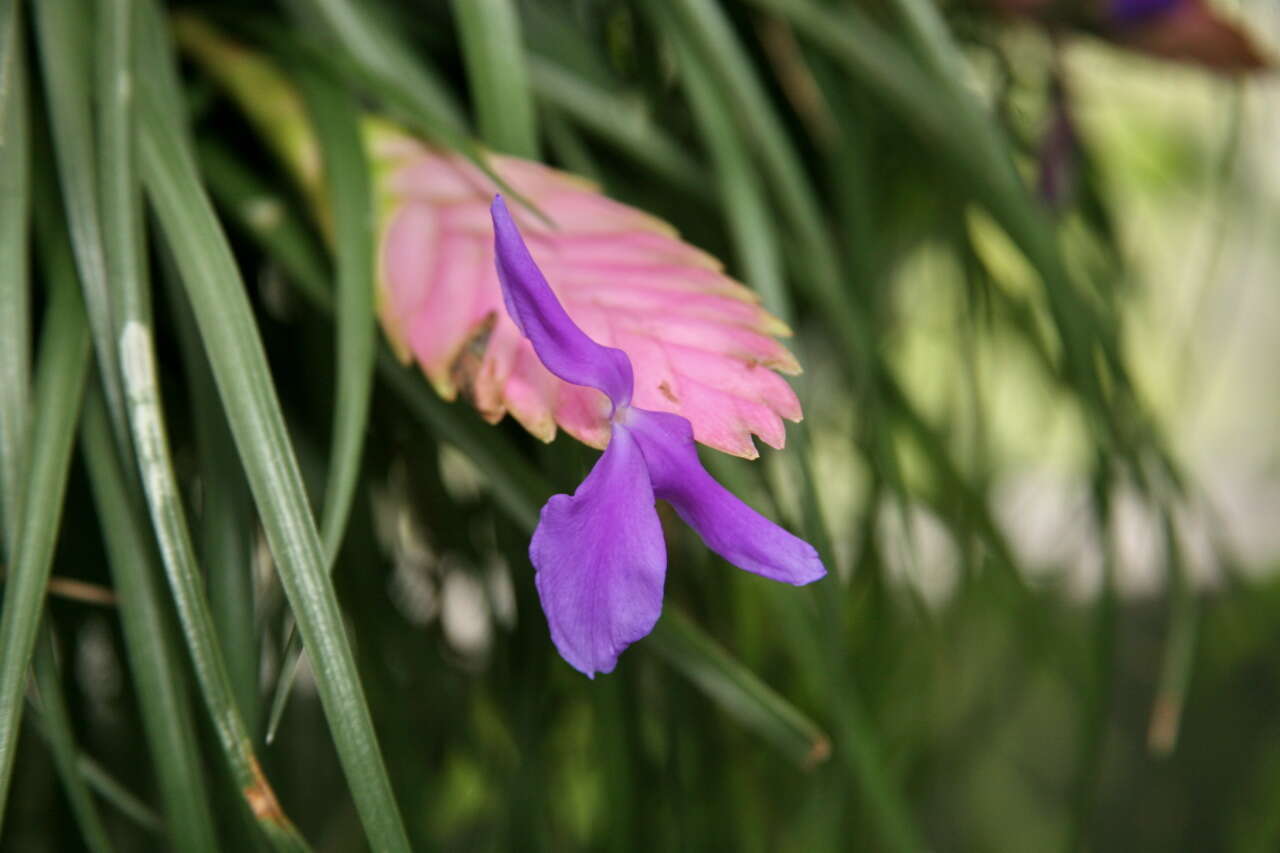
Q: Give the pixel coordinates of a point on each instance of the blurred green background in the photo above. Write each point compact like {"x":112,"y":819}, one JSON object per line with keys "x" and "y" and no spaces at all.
{"x":1039,"y":452}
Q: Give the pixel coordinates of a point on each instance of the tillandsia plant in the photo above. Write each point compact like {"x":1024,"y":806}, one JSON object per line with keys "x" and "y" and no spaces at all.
{"x":599,"y":554}
{"x":692,"y":349}
{"x":354,"y":343}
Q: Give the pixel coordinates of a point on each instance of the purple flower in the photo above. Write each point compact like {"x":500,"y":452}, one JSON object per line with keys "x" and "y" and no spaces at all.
{"x":599,"y":556}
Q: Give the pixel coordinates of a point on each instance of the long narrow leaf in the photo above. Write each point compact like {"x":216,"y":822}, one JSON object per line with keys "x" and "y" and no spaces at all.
{"x":61,"y":367}
{"x":15,"y":284}
{"x":737,"y":690}
{"x":227,"y":521}
{"x":496,"y":75}
{"x":53,"y":707}
{"x":239,"y":365}
{"x":621,"y":120}
{"x":335,"y":117}
{"x":390,"y":69}
{"x":160,"y":484}
{"x":153,"y":651}
{"x":704,"y":23}
{"x":62,"y":27}
{"x":109,"y":788}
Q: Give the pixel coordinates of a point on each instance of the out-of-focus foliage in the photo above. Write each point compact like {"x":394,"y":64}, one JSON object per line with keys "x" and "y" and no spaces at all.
{"x":1031,"y":277}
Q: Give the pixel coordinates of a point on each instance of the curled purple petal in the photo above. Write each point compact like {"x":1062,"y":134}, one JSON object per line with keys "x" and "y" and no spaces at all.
{"x":728,"y":526}
{"x":560,"y":344}
{"x":601,"y":560}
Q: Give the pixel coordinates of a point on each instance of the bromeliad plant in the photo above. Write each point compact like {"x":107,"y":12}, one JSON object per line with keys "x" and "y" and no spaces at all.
{"x":693,"y":354}
{"x":599,"y":553}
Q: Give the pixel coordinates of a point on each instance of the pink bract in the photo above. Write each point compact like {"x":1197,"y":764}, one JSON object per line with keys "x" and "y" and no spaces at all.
{"x":700,"y":343}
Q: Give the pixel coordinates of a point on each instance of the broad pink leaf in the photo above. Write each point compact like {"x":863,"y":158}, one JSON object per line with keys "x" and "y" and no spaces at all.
{"x":700,"y":344}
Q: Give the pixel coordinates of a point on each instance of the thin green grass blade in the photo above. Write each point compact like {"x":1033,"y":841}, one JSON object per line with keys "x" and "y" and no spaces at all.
{"x":186,"y":583}
{"x":742,"y":196}
{"x":11,"y":57}
{"x":15,"y":283}
{"x":239,"y":365}
{"x":124,"y":800}
{"x":738,"y":690}
{"x":950,"y":122}
{"x":15,"y":394}
{"x":496,"y":75}
{"x":107,"y":786}
{"x":61,"y":367}
{"x":118,"y":188}
{"x":1178,"y":658}
{"x":150,"y":641}
{"x":704,"y":24}
{"x":336,"y":121}
{"x":227,"y":521}
{"x":622,"y":121}
{"x":163,"y":495}
{"x":265,"y":215}
{"x":58,"y":731}
{"x":65,"y":47}
{"x":390,"y":69}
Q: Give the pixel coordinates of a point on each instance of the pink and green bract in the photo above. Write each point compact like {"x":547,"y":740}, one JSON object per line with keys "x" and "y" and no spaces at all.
{"x":599,"y":554}
{"x":700,"y":344}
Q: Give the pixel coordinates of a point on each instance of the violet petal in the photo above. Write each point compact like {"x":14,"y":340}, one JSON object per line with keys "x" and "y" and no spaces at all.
{"x":601,"y":560}
{"x":728,"y":526}
{"x":560,"y":344}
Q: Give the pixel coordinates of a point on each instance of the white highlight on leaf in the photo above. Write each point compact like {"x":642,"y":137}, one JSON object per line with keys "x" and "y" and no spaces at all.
{"x":137,"y":363}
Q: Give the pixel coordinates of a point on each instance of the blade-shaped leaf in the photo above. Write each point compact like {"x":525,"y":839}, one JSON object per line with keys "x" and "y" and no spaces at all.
{"x":738,"y":690}
{"x":63,"y":32}
{"x":53,"y":707}
{"x":496,"y":74}
{"x":337,"y":124}
{"x":15,"y":283}
{"x":61,"y":368}
{"x":150,"y":640}
{"x":231,"y":340}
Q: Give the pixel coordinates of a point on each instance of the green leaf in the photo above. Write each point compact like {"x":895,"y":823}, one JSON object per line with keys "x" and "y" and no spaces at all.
{"x":496,"y":75}
{"x":227,"y":521}
{"x":621,"y":119}
{"x":742,"y":196}
{"x":163,"y":495}
{"x":53,"y":708}
{"x":337,"y":124}
{"x":108,"y":787}
{"x":390,"y":70}
{"x":738,"y":690}
{"x":950,"y":121}
{"x":150,"y":641}
{"x":65,"y":48}
{"x":15,"y":283}
{"x":336,"y":119}
{"x":230,"y":337}
{"x":707,"y":30}
{"x":61,"y":367}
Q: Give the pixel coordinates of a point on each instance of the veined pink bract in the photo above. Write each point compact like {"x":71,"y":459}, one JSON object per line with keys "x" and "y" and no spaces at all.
{"x":701,"y":345}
